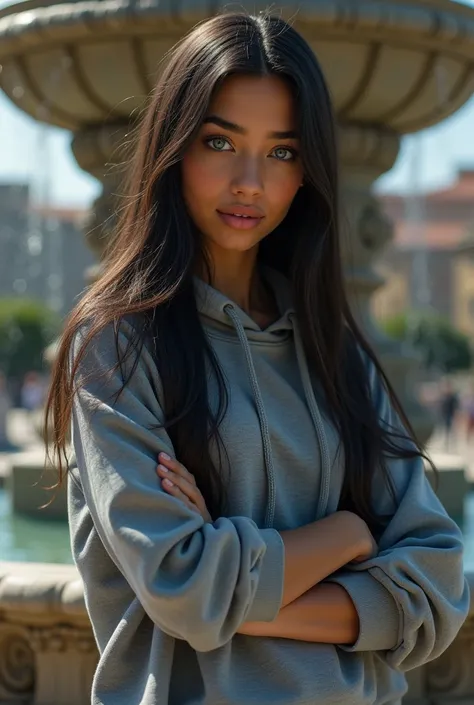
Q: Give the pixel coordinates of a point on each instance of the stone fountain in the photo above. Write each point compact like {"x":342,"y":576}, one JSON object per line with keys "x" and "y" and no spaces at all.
{"x":394,"y":67}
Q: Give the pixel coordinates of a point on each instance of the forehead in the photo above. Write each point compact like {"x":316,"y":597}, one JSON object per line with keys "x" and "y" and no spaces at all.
{"x":243,"y":99}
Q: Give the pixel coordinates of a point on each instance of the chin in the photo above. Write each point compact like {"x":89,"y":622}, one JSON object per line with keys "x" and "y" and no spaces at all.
{"x":239,"y":242}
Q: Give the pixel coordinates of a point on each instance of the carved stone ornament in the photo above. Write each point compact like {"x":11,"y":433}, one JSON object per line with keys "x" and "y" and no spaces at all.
{"x":17,"y":664}
{"x":451,"y":677}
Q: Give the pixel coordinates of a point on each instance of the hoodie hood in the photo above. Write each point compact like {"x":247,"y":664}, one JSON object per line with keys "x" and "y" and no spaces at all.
{"x":213,"y":307}
{"x":220,"y":313}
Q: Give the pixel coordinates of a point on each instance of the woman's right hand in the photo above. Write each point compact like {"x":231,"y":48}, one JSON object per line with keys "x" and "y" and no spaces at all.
{"x":177,"y":481}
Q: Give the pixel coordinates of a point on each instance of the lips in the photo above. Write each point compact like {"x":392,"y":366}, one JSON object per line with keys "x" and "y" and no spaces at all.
{"x":242,"y":211}
{"x":241,"y":217}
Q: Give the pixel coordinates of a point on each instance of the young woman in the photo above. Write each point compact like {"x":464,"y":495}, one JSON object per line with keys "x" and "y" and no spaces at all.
{"x":288,"y":549}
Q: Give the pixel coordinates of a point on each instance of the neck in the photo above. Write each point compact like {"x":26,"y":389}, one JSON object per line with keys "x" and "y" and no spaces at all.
{"x":234,"y":274}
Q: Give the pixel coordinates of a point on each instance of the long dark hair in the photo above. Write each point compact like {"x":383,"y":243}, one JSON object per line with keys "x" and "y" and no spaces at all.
{"x":149,"y":267}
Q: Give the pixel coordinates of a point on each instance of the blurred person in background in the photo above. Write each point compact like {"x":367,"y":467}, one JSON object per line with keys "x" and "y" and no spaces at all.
{"x":448,"y":407}
{"x":33,"y":392}
{"x":469,"y":411}
{"x":5,"y":406}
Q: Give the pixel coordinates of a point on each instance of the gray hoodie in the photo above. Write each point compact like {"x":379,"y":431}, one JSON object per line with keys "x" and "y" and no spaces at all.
{"x":166,"y":592}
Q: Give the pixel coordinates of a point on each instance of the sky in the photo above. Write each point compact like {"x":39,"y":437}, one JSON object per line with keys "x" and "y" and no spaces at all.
{"x":435,"y":154}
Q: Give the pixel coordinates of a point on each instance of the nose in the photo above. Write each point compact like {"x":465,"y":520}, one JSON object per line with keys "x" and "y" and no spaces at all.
{"x":248,"y":178}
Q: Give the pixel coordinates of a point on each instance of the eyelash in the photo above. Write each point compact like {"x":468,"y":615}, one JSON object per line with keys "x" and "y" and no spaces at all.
{"x":292,"y":150}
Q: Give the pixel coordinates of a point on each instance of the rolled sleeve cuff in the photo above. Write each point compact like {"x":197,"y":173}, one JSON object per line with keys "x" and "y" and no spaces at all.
{"x":379,"y":616}
{"x":269,"y":595}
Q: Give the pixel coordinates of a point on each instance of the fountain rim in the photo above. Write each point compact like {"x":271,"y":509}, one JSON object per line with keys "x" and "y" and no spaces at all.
{"x":450,"y":6}
{"x":435,"y":28}
{"x":453,"y":26}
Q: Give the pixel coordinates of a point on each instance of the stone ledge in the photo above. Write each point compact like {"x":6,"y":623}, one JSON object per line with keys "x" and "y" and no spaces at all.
{"x":33,"y":592}
{"x":48,"y":654}
{"x":440,"y":21}
{"x":27,"y":483}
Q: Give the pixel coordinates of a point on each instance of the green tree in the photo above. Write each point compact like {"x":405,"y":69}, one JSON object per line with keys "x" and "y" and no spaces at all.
{"x":26,"y":329}
{"x":440,"y":344}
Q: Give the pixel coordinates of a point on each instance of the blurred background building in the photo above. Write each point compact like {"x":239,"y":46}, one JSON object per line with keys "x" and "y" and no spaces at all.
{"x":43,"y":254}
{"x":430,"y":261}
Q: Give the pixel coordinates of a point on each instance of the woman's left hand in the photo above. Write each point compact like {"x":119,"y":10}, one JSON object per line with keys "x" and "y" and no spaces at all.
{"x":176,"y":480}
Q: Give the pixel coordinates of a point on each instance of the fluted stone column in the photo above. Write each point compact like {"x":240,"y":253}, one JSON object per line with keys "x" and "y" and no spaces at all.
{"x":100,"y":151}
{"x":365,"y":154}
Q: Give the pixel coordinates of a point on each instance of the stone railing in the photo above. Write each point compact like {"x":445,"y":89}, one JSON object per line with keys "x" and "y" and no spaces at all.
{"x":48,"y":655}
{"x":47,"y":650}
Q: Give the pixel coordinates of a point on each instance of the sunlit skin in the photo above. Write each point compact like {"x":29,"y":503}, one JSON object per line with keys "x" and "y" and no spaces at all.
{"x":245,"y":154}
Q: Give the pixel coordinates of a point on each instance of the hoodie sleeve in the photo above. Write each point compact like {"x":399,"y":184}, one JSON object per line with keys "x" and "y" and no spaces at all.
{"x":413,"y":598}
{"x":197,"y":581}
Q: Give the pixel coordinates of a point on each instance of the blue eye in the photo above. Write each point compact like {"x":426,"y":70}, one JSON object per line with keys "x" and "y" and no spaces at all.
{"x":218,"y":144}
{"x":283,"y":154}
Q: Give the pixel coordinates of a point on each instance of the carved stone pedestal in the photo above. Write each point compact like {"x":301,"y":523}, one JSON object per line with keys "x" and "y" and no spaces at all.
{"x":366,"y":153}
{"x":102,"y":152}
{"x":47,"y":650}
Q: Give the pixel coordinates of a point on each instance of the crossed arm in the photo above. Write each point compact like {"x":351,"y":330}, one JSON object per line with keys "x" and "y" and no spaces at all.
{"x":325,"y":614}
{"x":320,"y":612}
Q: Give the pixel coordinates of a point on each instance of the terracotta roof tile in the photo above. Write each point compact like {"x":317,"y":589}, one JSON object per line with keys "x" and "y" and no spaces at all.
{"x":70,"y":215}
{"x":436,"y":236}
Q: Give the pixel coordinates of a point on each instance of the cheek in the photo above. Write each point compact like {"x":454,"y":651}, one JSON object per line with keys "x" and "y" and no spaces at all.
{"x":283,"y":190}
{"x":200,"y":178}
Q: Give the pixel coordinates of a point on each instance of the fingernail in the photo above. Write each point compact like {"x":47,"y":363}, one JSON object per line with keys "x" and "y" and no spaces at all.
{"x":165,"y":456}
{"x":168,"y":483}
{"x":162,"y":468}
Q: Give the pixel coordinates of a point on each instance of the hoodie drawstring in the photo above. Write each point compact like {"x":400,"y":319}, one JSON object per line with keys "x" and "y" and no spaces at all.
{"x":262,"y":417}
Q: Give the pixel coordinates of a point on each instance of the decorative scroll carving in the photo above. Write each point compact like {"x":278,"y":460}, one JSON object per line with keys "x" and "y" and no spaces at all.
{"x":59,"y":639}
{"x":374,"y":228}
{"x":17,"y":663}
{"x":452,"y":675}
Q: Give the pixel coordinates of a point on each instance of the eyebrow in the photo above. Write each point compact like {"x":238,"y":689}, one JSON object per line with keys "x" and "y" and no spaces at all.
{"x":232,"y":127}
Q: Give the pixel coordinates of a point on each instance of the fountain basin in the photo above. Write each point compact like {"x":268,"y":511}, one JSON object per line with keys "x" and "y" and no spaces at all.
{"x":402,"y":65}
